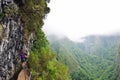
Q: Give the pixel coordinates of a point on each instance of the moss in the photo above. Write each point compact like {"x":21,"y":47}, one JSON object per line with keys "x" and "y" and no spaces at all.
{"x":33,"y":13}
{"x":11,"y":9}
{"x":1,"y":15}
{"x":1,"y":28}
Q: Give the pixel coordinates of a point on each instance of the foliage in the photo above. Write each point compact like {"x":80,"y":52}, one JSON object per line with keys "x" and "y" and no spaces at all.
{"x":33,"y":13}
{"x":40,"y":41}
{"x":80,"y":76}
{"x":11,"y":9}
{"x":117,"y":63}
{"x":42,"y":61}
{"x":92,"y":59}
{"x":1,"y":15}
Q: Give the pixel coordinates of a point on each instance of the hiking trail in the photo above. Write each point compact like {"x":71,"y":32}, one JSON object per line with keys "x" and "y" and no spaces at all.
{"x":23,"y":75}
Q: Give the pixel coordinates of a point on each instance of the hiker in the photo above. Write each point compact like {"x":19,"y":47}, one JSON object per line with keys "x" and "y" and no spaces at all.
{"x":23,"y":57}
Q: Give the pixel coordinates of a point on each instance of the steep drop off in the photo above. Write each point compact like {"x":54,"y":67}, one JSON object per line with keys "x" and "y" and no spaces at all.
{"x":93,"y":59}
{"x":21,"y":24}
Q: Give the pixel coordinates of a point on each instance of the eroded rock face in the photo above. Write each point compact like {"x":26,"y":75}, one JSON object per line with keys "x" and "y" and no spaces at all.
{"x":11,"y":44}
{"x":10,"y":47}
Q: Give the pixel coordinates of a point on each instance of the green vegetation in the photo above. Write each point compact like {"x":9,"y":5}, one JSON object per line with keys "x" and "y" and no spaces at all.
{"x":94,"y":59}
{"x":42,"y":61}
{"x":11,"y":10}
{"x":33,"y":13}
{"x":117,"y":67}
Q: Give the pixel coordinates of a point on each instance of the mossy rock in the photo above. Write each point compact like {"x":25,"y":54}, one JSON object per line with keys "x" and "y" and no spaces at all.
{"x":1,"y":28}
{"x":11,"y":9}
{"x":1,"y":15}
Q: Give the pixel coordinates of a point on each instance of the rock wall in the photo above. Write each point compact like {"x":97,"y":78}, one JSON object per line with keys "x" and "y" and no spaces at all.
{"x":11,"y":43}
{"x":10,"y":48}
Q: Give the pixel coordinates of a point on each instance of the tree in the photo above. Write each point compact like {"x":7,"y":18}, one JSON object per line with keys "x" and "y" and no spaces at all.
{"x":33,"y":13}
{"x":43,"y":63}
{"x":118,"y":64}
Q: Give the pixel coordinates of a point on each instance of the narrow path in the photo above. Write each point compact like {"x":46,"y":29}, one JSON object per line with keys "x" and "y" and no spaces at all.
{"x":23,"y":75}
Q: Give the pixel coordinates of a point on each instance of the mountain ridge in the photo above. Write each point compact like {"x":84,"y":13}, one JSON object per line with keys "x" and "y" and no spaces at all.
{"x":95,"y":56}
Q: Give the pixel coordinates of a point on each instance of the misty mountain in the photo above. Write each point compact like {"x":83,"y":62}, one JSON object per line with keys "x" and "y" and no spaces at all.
{"x":92,"y":59}
{"x":102,"y":46}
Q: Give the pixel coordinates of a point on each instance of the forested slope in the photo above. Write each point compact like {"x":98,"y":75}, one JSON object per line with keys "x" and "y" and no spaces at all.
{"x":93,"y":59}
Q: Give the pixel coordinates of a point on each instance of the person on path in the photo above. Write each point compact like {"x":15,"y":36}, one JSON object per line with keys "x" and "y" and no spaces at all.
{"x":23,"y":57}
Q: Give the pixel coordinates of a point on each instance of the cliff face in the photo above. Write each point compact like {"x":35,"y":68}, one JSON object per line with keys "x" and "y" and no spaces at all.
{"x":10,"y":47}
{"x":11,"y":34}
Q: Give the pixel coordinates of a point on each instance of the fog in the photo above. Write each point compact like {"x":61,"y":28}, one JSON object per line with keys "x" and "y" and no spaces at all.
{"x":79,"y":18}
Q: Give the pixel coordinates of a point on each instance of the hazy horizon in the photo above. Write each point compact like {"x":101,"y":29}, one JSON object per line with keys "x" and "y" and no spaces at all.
{"x":80,"y":18}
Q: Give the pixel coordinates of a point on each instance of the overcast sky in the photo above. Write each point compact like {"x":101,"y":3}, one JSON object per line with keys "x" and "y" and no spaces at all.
{"x":80,"y":18}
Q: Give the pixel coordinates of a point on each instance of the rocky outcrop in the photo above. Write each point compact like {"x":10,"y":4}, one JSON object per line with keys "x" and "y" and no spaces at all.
{"x":11,"y":43}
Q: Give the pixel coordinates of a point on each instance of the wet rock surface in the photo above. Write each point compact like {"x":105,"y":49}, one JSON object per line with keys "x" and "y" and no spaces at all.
{"x":11,"y":38}
{"x":10,"y":47}
{"x":11,"y":43}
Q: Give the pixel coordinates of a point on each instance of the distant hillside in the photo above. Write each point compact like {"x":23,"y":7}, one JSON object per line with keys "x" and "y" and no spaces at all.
{"x":92,"y":59}
{"x":103,"y":46}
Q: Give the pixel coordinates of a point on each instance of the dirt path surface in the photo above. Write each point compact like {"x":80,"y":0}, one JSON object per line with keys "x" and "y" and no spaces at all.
{"x":23,"y":75}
